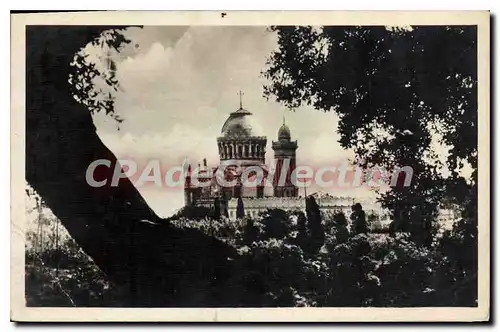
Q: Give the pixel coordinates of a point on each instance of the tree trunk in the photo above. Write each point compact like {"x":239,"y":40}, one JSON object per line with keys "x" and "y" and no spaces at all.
{"x":158,"y":264}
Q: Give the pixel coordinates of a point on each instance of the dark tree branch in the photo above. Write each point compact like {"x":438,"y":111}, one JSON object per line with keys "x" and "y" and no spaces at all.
{"x":159,"y":264}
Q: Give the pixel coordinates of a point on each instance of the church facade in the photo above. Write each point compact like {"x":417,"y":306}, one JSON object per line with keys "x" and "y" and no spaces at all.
{"x":242,"y":148}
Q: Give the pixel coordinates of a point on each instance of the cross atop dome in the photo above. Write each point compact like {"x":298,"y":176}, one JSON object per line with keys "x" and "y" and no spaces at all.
{"x":241,"y":99}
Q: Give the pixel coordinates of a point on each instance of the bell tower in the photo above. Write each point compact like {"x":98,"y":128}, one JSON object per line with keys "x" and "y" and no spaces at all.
{"x":285,"y":156}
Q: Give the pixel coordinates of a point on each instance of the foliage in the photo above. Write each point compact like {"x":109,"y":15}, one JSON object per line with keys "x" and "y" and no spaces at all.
{"x":393,"y":89}
{"x":275,"y":224}
{"x":87,"y":76}
{"x":390,"y":87}
{"x":222,"y":229}
{"x":194,"y":212}
{"x":66,"y":276}
{"x":314,"y":225}
{"x":276,"y":267}
{"x":459,"y":247}
{"x":339,"y":228}
{"x":358,"y":218}
{"x":240,"y":209}
{"x":217,"y":207}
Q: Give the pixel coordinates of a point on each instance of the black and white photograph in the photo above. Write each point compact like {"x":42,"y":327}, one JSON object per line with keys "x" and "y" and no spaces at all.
{"x":207,"y":162}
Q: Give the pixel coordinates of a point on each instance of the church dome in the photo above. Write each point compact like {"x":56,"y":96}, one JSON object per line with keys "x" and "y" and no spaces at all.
{"x":284,"y":132}
{"x":241,"y":124}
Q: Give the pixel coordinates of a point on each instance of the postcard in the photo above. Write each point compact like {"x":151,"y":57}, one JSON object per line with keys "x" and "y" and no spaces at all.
{"x":250,"y":166}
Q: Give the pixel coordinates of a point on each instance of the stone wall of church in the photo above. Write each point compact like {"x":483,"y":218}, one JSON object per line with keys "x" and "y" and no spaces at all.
{"x":255,"y":206}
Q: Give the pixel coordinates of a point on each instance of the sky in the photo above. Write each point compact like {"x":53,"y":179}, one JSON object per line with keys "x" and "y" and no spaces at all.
{"x":179,"y":84}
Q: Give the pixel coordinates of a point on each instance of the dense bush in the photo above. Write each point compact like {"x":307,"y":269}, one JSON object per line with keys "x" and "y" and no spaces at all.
{"x":287,"y":260}
{"x":277,"y":267}
{"x":65,"y":276}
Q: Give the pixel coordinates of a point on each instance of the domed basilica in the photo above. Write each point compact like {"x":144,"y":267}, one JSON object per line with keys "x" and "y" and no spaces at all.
{"x":242,"y":153}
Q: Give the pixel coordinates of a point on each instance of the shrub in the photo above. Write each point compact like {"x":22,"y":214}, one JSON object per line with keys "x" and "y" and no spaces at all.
{"x":276,"y":266}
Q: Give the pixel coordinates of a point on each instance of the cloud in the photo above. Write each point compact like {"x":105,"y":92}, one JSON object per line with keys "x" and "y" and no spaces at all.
{"x":180,"y":84}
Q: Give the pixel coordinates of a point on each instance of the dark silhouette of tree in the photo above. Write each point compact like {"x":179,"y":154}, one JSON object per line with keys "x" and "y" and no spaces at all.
{"x":192,"y":212}
{"x":358,"y":218}
{"x":302,"y":237}
{"x":406,"y":83}
{"x":250,"y":232}
{"x":316,"y":229}
{"x":368,"y":75}
{"x":158,"y":264}
{"x":459,"y":245}
{"x":217,"y":208}
{"x":240,"y":209}
{"x":341,"y":231}
{"x":275,"y":223}
{"x":372,"y":218}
